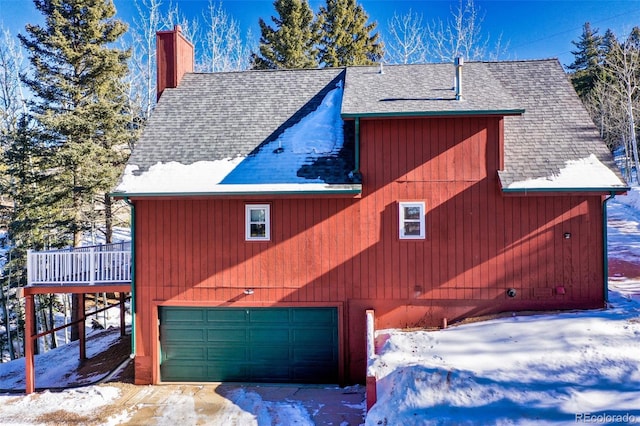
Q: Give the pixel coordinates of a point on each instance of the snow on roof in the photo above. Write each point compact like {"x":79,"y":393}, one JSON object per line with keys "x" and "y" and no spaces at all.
{"x":201,"y":176}
{"x":317,"y":135}
{"x":579,"y":174}
{"x":275,"y":166}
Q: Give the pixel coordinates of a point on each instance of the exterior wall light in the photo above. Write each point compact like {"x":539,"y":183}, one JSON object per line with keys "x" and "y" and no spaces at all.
{"x":512,"y":292}
{"x":248,"y":291}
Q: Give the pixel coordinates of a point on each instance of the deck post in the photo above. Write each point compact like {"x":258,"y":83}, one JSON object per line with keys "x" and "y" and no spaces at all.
{"x":29,"y":268}
{"x":29,"y":330}
{"x":81,"y":327}
{"x":92,"y":267}
{"x":69,"y":264}
{"x":122,"y":317}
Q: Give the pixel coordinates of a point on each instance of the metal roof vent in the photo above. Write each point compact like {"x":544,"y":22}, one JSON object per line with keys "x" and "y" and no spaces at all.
{"x":381,"y":71}
{"x":458,"y":63}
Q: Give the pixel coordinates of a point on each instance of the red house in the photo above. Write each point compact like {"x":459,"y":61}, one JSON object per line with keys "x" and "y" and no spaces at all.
{"x":273,"y":208}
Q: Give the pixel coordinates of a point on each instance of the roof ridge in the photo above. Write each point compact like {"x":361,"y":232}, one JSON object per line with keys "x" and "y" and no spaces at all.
{"x":451,"y":63}
{"x":377,"y":65}
{"x":280,"y":70}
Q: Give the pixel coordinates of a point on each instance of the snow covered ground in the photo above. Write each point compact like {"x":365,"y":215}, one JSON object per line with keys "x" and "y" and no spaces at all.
{"x":551,"y":369}
{"x":543,"y":369}
{"x":57,"y":368}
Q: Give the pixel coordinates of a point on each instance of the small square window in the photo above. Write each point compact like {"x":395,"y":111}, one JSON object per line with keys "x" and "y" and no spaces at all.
{"x":412,"y":225}
{"x":257,"y":217}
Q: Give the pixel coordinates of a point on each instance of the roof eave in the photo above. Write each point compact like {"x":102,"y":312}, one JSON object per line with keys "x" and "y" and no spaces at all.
{"x":595,"y":190}
{"x":349,"y":189}
{"x":449,"y":113}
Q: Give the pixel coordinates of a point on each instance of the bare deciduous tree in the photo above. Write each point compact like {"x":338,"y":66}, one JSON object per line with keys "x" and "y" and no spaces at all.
{"x":12,"y":95}
{"x":462,"y":36}
{"x":12,"y":107}
{"x":408,"y":42}
{"x":142,"y":78}
{"x":623,"y":64}
{"x":218,"y":43}
{"x":224,"y":49}
{"x":189,"y":27}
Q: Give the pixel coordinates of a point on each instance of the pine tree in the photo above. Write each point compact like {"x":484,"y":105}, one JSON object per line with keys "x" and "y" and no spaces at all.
{"x":589,"y":57}
{"x":291,"y":44}
{"x":346,"y":37}
{"x":82,"y":126}
{"x":79,"y":105}
{"x":609,"y":41}
{"x":36,"y":215}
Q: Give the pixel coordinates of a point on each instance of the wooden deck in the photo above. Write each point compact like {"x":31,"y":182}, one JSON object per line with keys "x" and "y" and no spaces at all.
{"x":79,"y":270}
{"x":102,"y":265}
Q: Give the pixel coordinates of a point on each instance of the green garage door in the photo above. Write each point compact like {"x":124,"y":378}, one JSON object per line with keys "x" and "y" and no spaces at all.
{"x":298,"y":345}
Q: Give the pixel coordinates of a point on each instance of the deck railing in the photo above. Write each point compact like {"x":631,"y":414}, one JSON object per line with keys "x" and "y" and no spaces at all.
{"x":102,"y":264}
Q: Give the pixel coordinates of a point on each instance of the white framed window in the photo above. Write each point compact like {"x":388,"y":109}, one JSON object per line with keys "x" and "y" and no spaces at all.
{"x":412,"y":226}
{"x":257,"y":222}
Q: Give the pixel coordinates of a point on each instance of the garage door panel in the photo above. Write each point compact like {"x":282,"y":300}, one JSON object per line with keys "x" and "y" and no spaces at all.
{"x":270,"y":373}
{"x":190,"y":335}
{"x":182,"y":372}
{"x":270,"y":354}
{"x":227,"y":334}
{"x":317,"y":316}
{"x":218,"y":315}
{"x":316,"y":353}
{"x":222,"y":353}
{"x":266,"y":335}
{"x":186,"y":353}
{"x":270,"y":316}
{"x":222,"y":372}
{"x":184,"y":315}
{"x":314,"y":335}
{"x":250,"y":344}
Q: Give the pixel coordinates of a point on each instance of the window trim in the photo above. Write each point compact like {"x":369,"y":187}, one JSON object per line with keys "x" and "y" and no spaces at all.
{"x":267,"y":222}
{"x":402,"y":221}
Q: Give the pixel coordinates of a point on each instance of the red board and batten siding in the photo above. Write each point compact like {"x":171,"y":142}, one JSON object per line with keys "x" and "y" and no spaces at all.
{"x":345,"y":252}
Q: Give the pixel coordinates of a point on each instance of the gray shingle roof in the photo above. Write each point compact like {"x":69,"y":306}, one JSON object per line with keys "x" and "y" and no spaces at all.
{"x":555,"y":127}
{"x":219,"y":116}
{"x":225,"y":115}
{"x":424,"y":89}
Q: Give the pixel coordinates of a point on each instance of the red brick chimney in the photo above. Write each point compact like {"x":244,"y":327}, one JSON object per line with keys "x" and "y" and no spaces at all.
{"x":175,"y":57}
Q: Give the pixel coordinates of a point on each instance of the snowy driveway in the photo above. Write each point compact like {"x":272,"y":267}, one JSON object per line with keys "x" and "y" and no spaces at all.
{"x":227,"y":404}
{"x":181,"y":405}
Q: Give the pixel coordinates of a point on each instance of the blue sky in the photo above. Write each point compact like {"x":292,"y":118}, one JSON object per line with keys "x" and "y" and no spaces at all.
{"x":533,"y":28}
